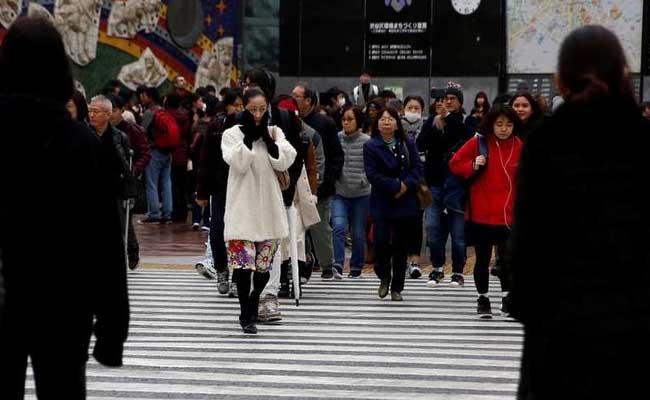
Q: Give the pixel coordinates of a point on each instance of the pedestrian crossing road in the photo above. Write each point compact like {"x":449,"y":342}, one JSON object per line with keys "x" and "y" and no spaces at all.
{"x":343,"y":342}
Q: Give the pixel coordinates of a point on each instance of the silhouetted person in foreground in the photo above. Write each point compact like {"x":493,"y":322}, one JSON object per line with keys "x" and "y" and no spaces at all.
{"x":63,"y":266}
{"x":582,"y":188}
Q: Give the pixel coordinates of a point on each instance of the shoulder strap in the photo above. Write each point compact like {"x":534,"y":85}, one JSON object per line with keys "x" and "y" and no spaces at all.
{"x":482,"y":145}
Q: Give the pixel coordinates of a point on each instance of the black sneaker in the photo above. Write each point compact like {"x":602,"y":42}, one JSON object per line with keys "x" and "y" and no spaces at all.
{"x":383,"y":289}
{"x":223,"y":284}
{"x":505,"y":306}
{"x":327,"y":274}
{"x":484,"y":309}
{"x":285,"y":290}
{"x":354,"y":274}
{"x":134,"y":262}
{"x":457,"y":280}
{"x":165,"y":221}
{"x":414,"y":271}
{"x":435,"y":277}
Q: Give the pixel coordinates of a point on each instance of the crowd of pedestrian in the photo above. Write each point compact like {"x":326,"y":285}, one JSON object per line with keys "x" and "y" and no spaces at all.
{"x":285,"y":182}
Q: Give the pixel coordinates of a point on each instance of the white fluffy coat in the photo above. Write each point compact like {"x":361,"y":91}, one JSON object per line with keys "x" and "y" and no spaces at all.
{"x":254,"y":207}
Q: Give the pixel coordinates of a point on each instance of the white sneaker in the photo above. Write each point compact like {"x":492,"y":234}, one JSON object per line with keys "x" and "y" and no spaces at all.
{"x":206,"y":269}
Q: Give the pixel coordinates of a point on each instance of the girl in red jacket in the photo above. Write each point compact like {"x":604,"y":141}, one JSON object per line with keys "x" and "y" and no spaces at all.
{"x":491,"y":192}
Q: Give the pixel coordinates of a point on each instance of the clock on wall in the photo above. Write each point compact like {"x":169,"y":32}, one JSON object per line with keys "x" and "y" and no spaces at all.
{"x":465,"y":7}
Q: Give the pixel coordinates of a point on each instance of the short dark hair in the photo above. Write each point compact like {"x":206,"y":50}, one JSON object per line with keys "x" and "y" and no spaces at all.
{"x":487,"y":125}
{"x":533,"y":103}
{"x":117,"y":102}
{"x":359,"y":116}
{"x":28,"y":42}
{"x":173,"y":101}
{"x":310,"y":93}
{"x":387,"y":94}
{"x":211,"y":105}
{"x":416,"y":98}
{"x":153,"y":94}
{"x":211,"y":88}
{"x":253,"y":92}
{"x":399,"y":132}
{"x":263,"y":79}
{"x":230,"y":96}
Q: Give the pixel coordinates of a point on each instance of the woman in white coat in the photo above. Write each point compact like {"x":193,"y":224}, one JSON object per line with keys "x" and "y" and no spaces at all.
{"x":255,"y":219}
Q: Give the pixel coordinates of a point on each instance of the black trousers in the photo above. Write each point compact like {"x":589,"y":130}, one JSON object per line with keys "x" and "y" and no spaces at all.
{"x":179,"y":193}
{"x":249,"y":301}
{"x":417,"y":236}
{"x":482,"y":269}
{"x":391,"y":248}
{"x":217,"y":242}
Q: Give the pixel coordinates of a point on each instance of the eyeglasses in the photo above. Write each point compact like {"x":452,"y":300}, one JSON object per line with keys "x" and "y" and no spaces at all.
{"x":96,"y":111}
{"x":255,"y":110}
{"x":297,"y":96}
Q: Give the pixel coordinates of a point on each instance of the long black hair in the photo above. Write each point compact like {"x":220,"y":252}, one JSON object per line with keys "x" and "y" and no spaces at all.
{"x":30,"y":41}
{"x":399,"y":132}
{"x":592,"y":64}
{"x":533,"y":103}
{"x":487,"y":125}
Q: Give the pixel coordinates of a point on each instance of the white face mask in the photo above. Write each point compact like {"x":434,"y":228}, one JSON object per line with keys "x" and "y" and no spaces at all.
{"x":342,"y":102}
{"x":413,"y":117}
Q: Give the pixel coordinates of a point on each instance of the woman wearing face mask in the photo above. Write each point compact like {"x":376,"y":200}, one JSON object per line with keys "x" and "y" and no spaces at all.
{"x":351,"y":202}
{"x":528,"y":111}
{"x":254,"y":151}
{"x":490,"y":206}
{"x":412,"y":123}
{"x":336,"y":101}
{"x":393,"y":168}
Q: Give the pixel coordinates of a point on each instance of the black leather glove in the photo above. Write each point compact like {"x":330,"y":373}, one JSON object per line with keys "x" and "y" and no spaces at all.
{"x":271,"y":147}
{"x":251,"y":132}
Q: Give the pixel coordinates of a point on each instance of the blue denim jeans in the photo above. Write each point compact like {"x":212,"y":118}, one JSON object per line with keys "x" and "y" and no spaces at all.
{"x":158,"y":175}
{"x":355,"y":212}
{"x":439,"y":225}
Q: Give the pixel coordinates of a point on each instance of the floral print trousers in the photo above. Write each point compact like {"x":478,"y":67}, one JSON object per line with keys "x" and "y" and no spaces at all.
{"x":255,"y":256}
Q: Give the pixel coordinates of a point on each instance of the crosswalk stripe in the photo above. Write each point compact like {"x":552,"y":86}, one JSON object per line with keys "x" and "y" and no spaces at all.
{"x":343,"y":342}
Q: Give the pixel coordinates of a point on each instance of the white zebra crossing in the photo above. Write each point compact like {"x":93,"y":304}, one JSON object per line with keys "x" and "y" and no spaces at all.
{"x":343,"y":342}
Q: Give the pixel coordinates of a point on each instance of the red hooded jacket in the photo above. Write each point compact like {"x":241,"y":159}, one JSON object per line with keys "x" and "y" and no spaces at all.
{"x":180,"y":154}
{"x":492,"y":193}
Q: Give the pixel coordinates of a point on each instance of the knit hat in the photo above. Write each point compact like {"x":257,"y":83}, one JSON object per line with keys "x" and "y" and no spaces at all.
{"x":454,"y":89}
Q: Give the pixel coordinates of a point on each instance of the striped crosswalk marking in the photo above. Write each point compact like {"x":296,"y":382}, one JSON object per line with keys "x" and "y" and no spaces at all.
{"x":343,"y":342}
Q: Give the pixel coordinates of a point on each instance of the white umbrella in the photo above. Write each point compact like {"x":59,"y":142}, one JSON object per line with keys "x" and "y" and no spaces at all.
{"x":293,"y":248}
{"x":127,"y":206}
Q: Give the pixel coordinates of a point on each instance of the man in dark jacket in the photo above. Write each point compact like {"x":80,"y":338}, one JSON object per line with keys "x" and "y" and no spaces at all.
{"x":57,"y":295}
{"x":442,"y":135}
{"x":180,"y":155}
{"x":141,"y":154}
{"x":321,"y":233}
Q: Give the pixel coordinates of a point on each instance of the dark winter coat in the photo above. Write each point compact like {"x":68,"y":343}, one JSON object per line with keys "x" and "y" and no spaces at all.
{"x":334,"y":159}
{"x":212,"y":177}
{"x":579,"y":253}
{"x":55,"y":283}
{"x":440,"y":145}
{"x":139,"y":144}
{"x":180,"y":154}
{"x":385,"y":172}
